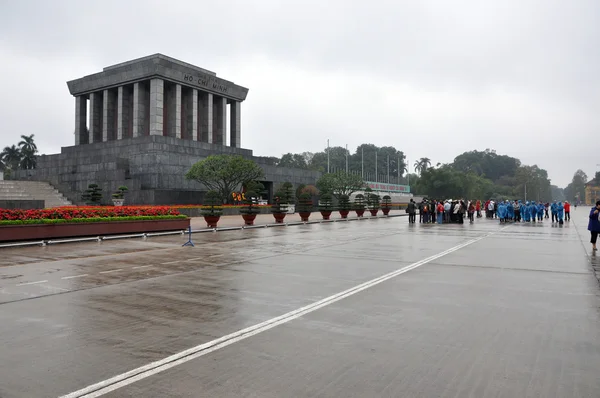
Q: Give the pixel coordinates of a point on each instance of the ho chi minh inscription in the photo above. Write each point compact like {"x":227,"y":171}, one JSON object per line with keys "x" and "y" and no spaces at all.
{"x":206,"y":82}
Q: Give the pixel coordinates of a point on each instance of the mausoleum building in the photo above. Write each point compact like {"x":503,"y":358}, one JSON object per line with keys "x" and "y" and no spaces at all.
{"x":143,"y":124}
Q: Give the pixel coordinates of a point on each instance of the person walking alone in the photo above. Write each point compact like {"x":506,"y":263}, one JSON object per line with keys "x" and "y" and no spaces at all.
{"x":567,"y":207}
{"x":594,"y":224}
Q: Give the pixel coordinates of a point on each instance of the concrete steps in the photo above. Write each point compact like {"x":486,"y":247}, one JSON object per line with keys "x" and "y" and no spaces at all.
{"x":32,"y":190}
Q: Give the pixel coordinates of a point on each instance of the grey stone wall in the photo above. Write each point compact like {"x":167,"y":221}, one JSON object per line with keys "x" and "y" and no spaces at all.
{"x":152,"y":167}
{"x":22,"y":204}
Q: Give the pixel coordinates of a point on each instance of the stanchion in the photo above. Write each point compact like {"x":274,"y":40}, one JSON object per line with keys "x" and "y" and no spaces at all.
{"x":189,"y":242}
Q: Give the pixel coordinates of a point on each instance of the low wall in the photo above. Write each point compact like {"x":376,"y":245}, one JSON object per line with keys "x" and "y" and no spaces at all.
{"x":22,"y":204}
{"x":52,"y":231}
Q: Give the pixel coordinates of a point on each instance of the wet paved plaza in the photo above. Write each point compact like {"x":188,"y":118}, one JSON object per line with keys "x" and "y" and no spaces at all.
{"x":372,"y":308}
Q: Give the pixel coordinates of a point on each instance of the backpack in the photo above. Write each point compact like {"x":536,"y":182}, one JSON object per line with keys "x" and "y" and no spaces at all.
{"x":425,"y":209}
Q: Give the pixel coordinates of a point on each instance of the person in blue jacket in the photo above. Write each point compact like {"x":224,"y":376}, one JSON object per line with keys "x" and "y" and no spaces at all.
{"x":594,"y":224}
{"x":525,"y":212}
{"x":560,"y":212}
{"x":501,"y":211}
{"x":510,"y":210}
{"x":540,"y":211}
{"x":533,"y":210}
{"x":554,"y":211}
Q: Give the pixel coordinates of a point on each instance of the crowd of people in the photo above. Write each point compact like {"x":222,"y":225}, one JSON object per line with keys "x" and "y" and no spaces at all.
{"x":457,"y":210}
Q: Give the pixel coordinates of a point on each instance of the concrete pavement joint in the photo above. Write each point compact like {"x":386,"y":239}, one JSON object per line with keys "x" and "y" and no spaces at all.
{"x":146,"y":371}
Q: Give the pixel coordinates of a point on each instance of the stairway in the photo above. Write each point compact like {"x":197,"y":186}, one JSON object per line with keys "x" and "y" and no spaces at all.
{"x":32,"y":190}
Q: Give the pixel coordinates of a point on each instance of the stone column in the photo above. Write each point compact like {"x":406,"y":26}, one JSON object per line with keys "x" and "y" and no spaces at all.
{"x":81,"y":134}
{"x":206,"y":118}
{"x":190,"y":122}
{"x":139,"y":109}
{"x":235,"y":128}
{"x":220,"y":120}
{"x":123,"y":112}
{"x":108,"y":116}
{"x":157,"y":93}
{"x":172,"y":110}
{"x":95,"y":123}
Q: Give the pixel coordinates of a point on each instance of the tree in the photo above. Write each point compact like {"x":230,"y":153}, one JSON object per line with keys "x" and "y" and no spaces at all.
{"x":11,"y":157}
{"x":224,"y":173}
{"x":422,"y":165}
{"x":28,"y":152}
{"x":340,"y":183}
{"x":576,"y":189}
{"x":92,"y":195}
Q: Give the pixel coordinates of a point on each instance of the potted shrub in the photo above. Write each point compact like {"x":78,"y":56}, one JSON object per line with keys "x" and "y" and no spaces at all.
{"x":286,"y":197}
{"x":212,"y":209}
{"x":386,"y":204}
{"x":372,"y":202}
{"x":325,"y":206}
{"x":344,"y":206}
{"x":92,"y":195}
{"x":305,"y":206}
{"x":249,"y":209}
{"x":118,"y":198}
{"x":359,"y":205}
{"x":278,"y":208}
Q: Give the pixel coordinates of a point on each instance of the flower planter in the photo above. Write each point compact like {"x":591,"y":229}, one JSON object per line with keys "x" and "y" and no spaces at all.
{"x":249,"y":219}
{"x":360,"y":212}
{"x":374,"y":212}
{"x":386,"y":211}
{"x":304,"y":215}
{"x":326,"y":214}
{"x":212,"y":221}
{"x":344,"y":213}
{"x":279,"y":217}
{"x":51,"y":231}
{"x":118,"y":202}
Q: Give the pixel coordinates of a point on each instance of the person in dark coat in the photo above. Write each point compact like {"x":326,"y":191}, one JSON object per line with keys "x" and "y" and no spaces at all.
{"x":594,"y":224}
{"x":412,"y":211}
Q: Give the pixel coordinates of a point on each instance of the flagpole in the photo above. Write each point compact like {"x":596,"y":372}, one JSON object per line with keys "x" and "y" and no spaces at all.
{"x":376,"y":166}
{"x":362,"y":162}
{"x":327,"y":156}
{"x":388,"y":166}
{"x":346,"y":158}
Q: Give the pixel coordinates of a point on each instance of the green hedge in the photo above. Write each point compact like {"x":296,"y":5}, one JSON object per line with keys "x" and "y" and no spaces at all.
{"x":88,"y":220}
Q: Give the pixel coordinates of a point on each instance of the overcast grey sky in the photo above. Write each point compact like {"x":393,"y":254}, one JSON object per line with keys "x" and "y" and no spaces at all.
{"x":432,"y":78}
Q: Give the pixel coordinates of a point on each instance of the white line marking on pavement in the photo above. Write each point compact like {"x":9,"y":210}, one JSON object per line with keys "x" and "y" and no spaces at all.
{"x":142,"y":266}
{"x":196,"y":259}
{"x":109,"y":271}
{"x":74,"y":276}
{"x":124,"y":379}
{"x":31,"y":283}
{"x":170,"y":262}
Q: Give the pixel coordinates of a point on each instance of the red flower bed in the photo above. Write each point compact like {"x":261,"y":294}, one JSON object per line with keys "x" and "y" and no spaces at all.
{"x":68,"y":213}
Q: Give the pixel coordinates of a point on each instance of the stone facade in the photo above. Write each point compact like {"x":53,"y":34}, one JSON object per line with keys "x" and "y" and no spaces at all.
{"x":156,"y":95}
{"x":152,"y":167}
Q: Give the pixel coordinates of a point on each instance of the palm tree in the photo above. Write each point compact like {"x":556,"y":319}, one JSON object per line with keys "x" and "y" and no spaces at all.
{"x":11,"y":157}
{"x":27,"y":143}
{"x":28,"y":152}
{"x":425,"y":163}
{"x":418,"y":166}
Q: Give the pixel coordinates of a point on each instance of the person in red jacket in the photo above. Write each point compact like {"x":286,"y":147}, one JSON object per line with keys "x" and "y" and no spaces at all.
{"x":567,"y":211}
{"x":478,"y":208}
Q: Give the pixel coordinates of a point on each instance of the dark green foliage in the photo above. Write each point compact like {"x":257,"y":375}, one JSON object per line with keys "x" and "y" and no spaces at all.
{"x":250,"y":203}
{"x":286,"y":193}
{"x":214,"y":203}
{"x":279,"y":205}
{"x":359,"y":202}
{"x":305,"y":203}
{"x":120,"y":193}
{"x":92,"y":195}
{"x":325,"y":202}
{"x":344,"y":203}
{"x":386,"y":201}
{"x":373,"y":199}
